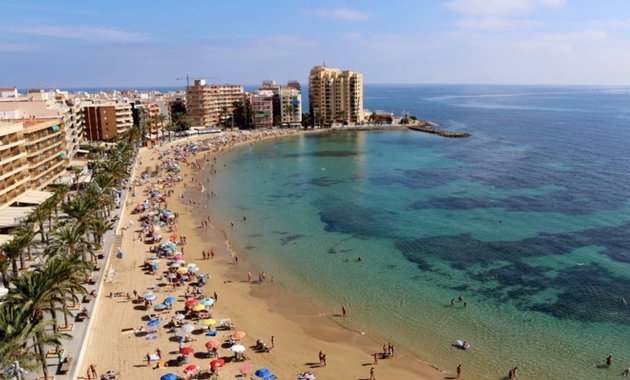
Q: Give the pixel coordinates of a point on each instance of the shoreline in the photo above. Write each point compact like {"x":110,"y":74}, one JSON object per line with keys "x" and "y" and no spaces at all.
{"x":299,"y":330}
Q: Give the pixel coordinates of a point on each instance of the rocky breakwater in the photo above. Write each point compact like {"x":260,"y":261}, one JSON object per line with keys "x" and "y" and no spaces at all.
{"x":431,"y":127}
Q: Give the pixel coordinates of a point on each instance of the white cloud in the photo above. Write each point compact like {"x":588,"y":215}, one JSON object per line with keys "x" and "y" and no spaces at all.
{"x":85,"y":33}
{"x":15,"y":48}
{"x":501,"y":7}
{"x":341,"y":13}
{"x":492,"y":23}
{"x":612,"y":23}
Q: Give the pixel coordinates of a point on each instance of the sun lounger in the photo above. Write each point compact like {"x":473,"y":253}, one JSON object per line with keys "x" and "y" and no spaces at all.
{"x":64,"y":367}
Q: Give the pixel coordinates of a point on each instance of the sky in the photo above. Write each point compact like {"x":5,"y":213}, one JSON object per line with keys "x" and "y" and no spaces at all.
{"x":128,"y":43}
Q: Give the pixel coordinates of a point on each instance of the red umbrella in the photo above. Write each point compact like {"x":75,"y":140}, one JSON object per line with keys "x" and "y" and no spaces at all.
{"x":192,"y":302}
{"x":238,"y":335}
{"x":217,"y":363}
{"x":213,"y":344}
{"x":173,"y":236}
{"x":192,"y":369}
{"x":186,"y":350}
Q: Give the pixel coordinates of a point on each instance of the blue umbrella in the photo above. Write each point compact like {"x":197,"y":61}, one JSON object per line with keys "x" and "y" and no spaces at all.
{"x":169,"y":299}
{"x":193,"y":269}
{"x":160,"y":307}
{"x":169,"y":376}
{"x":262,"y":372}
{"x":207,"y":301}
{"x":154,"y":322}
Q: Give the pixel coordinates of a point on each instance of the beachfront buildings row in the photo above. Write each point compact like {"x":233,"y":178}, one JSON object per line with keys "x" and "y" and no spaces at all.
{"x":210,"y":105}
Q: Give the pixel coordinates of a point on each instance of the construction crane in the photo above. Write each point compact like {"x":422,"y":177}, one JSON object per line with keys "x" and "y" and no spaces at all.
{"x":187,"y":78}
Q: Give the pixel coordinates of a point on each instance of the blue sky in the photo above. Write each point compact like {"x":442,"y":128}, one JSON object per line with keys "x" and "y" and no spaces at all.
{"x":151,"y":43}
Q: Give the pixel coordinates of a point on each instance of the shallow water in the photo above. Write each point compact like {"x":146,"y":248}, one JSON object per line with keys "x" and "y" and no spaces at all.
{"x":529,"y":220}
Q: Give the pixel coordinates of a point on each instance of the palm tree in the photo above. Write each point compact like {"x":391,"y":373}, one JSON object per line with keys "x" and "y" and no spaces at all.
{"x":26,"y":229}
{"x":39,"y":216}
{"x":12,"y":251}
{"x":182,"y":121}
{"x":16,"y":337}
{"x":99,"y":227}
{"x":69,"y":241}
{"x":35,"y":294}
{"x":5,"y":264}
{"x":58,"y":197}
{"x":81,"y":208}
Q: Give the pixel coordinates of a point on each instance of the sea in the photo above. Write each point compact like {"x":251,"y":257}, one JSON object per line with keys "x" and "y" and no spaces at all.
{"x":527,"y":220}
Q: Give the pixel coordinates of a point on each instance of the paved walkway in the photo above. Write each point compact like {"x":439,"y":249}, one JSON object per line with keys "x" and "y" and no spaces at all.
{"x":73,"y":348}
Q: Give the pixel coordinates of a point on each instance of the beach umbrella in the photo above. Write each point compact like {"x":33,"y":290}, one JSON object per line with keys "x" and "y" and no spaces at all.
{"x":187,"y":328}
{"x":182,"y":270}
{"x":184,"y":277}
{"x":192,"y":265}
{"x":207,"y":301}
{"x":198,"y":307}
{"x":238,"y":348}
{"x":217,"y":363}
{"x":262,"y":372}
{"x":160,"y":307}
{"x":150,"y":297}
{"x":186,"y":350}
{"x":213,"y":344}
{"x":154,"y":322}
{"x":176,"y":265}
{"x":238,"y":335}
{"x":246,"y":367}
{"x":193,"y":269}
{"x":147,"y":292}
{"x":178,"y":257}
{"x":169,"y":300}
{"x":191,"y":369}
{"x":173,"y":236}
{"x":169,"y":376}
{"x":179,"y":316}
{"x":172,"y":276}
{"x":192,"y":302}
{"x":208,"y":322}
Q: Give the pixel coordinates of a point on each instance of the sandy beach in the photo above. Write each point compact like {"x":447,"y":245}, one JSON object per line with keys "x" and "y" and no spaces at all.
{"x":260,"y":309}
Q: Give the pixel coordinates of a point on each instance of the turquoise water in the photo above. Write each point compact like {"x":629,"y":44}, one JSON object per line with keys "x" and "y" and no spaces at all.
{"x":529,"y":220}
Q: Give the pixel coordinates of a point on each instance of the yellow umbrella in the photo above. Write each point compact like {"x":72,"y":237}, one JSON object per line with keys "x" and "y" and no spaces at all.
{"x":208,"y":322}
{"x":182,"y":270}
{"x":199,"y":307}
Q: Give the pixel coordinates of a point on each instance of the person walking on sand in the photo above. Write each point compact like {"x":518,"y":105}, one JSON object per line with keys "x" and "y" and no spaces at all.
{"x":344,"y":311}
{"x":372,"y":376}
{"x":375,"y":355}
{"x":609,"y":360}
{"x":459,"y":371}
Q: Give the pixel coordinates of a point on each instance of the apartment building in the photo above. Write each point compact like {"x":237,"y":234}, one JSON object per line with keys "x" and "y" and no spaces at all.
{"x":45,"y":150}
{"x":147,"y":113}
{"x":14,"y":173}
{"x":47,"y":104}
{"x":262,"y":109}
{"x":208,"y":105}
{"x":290,"y":100}
{"x":107,"y":121}
{"x":287,"y":102}
{"x":335,"y":96}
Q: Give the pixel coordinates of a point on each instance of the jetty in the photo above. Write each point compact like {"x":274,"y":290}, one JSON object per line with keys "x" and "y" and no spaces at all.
{"x":430,"y":127}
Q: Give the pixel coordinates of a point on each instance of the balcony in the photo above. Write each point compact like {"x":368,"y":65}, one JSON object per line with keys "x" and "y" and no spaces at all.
{"x":40,"y":136}
{"x":43,"y":147}
{"x":11,"y":155}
